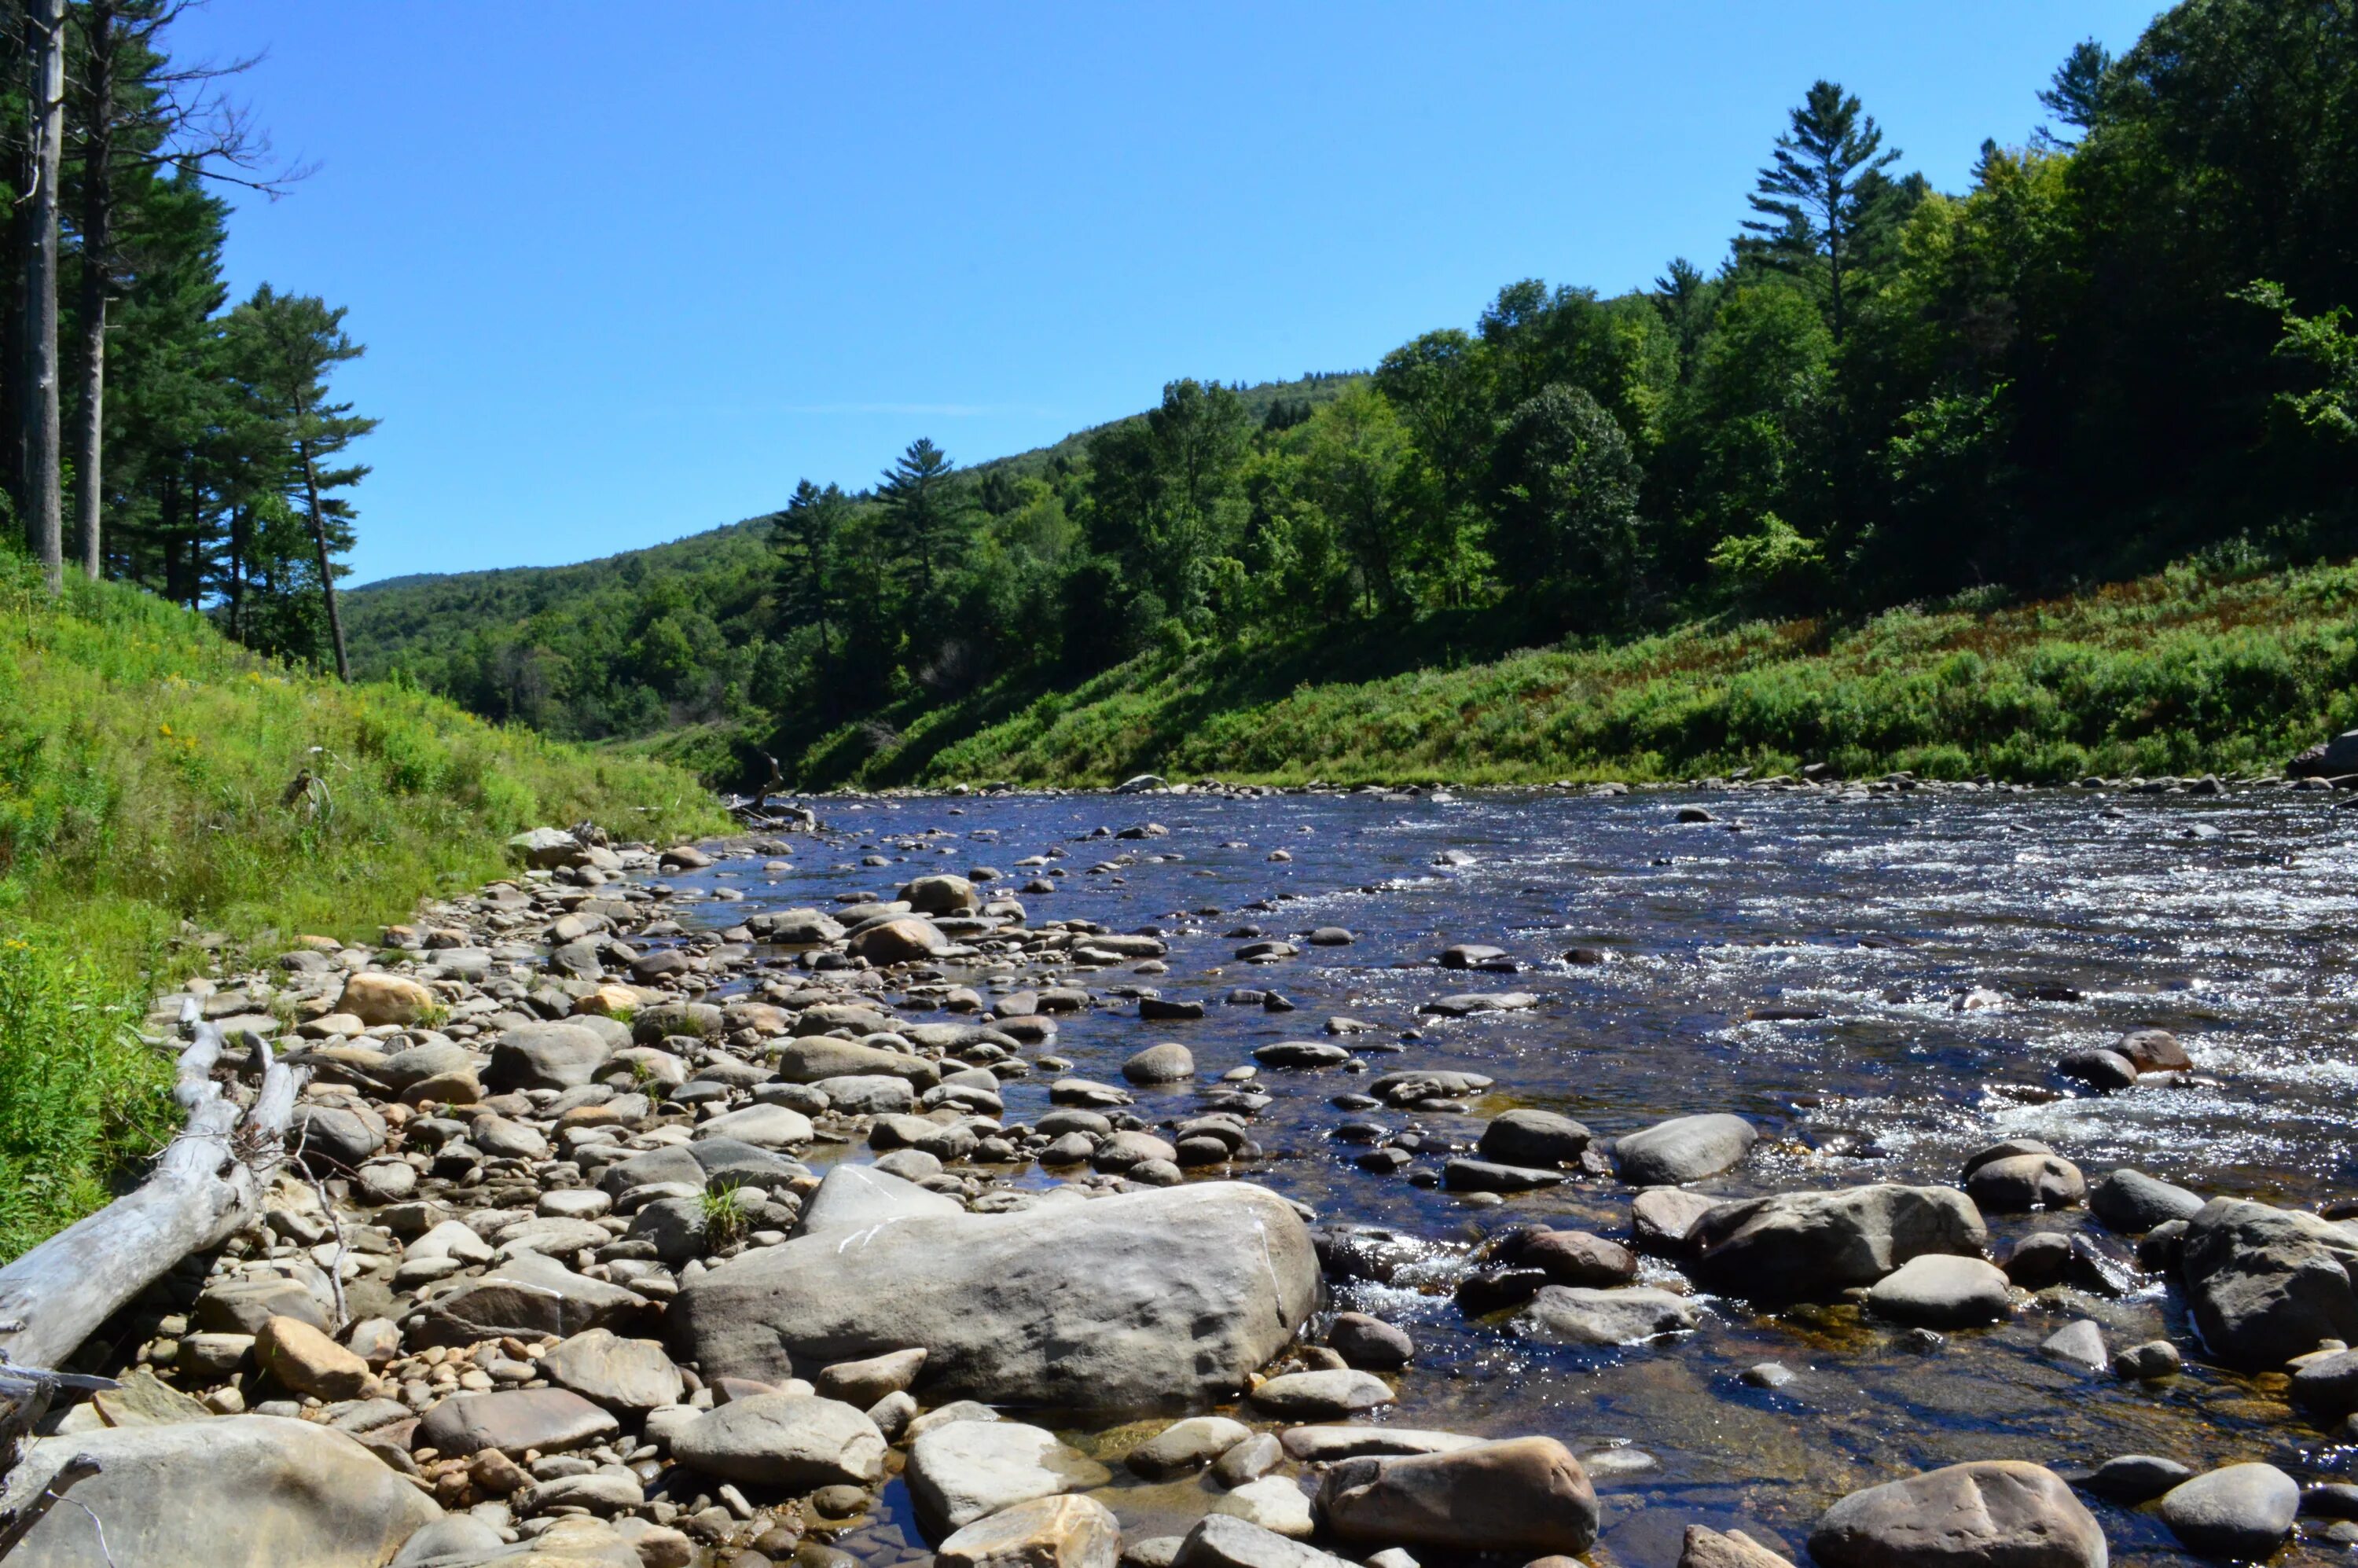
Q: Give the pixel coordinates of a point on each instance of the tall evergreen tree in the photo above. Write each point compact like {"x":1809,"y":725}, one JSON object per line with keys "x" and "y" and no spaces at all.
{"x":2073,"y":95}
{"x":807,"y":537}
{"x":926,"y":507}
{"x":1821,"y":198}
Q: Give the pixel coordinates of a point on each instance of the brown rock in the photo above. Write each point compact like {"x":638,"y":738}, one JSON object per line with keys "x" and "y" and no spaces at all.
{"x":1710,"y":1549}
{"x":1993,"y":1513}
{"x":376,"y":998}
{"x":1525,"y":1495}
{"x":309,"y":1362}
{"x":1046,"y":1533}
{"x":512,"y":1419}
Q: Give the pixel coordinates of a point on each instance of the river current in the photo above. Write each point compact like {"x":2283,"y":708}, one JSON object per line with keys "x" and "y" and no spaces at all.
{"x":1881,"y":982}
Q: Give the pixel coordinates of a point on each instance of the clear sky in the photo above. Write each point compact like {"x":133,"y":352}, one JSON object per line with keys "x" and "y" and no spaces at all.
{"x":627,"y":272}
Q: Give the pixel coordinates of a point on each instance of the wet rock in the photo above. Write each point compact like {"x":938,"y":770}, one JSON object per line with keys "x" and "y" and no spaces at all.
{"x":940,"y":895}
{"x":795,"y":1441}
{"x":963,"y":1471}
{"x":1249,"y":1460}
{"x":1685,"y":1149}
{"x":1495,"y":1289}
{"x":2240,"y":1511}
{"x":1576,"y":1258}
{"x":2078,"y":1343}
{"x":1303,"y":1053}
{"x":2146,"y":1363}
{"x":1275,"y":1503}
{"x":1045,"y":1532}
{"x":2135,"y":1479}
{"x":1470,"y":956}
{"x":1168,"y":1063}
{"x":1325,"y":1444}
{"x":1527,"y":1495}
{"x":1811,"y":1246}
{"x":1220,"y":1541}
{"x":1568,"y":1314}
{"x":2153,"y":1051}
{"x":898,"y":939}
{"x":2018,"y":1183}
{"x":1663,"y":1219}
{"x":1469,"y":1003}
{"x":1710,"y":1549}
{"x":1938,"y":1289}
{"x":2328,"y":1385}
{"x":1538,"y":1138}
{"x":1186,"y":1446}
{"x":244,"y":1489}
{"x":1369,"y":1343}
{"x":2099,"y":1069}
{"x":2266,"y":1284}
{"x":2130,"y":1201}
{"x":1136,"y":1301}
{"x":512,"y":1419}
{"x":1988,"y":1514}
{"x":617,"y":1373}
{"x":1483,"y":1176}
{"x":1313,"y":1396}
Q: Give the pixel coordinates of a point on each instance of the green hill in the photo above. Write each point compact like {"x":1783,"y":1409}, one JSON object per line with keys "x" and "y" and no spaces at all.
{"x":146,"y":835}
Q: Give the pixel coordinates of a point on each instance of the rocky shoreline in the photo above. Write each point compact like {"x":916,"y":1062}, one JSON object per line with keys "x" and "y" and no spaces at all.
{"x":570,"y":1264}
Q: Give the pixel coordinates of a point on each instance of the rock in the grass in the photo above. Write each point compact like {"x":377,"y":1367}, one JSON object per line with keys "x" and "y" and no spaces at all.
{"x":376,"y":998}
{"x":960,"y":1472}
{"x":528,"y":1297}
{"x":2240,"y":1511}
{"x":546,"y":1056}
{"x":1276,"y":1503}
{"x":1168,"y":1063}
{"x":1711,"y":1549}
{"x":1570,"y":1315}
{"x":2266,"y":1284}
{"x":1223,"y":1541}
{"x":2017,"y":1183}
{"x":1526,"y":1495}
{"x":1369,"y":1343}
{"x":244,"y":1489}
{"x":1136,"y":1301}
{"x":1045,"y":1532}
{"x":1538,"y":1138}
{"x":2129,"y":1200}
{"x":864,"y":1382}
{"x":2328,"y":1385}
{"x":1938,"y":1289}
{"x":857,"y":1197}
{"x":794,"y":1442}
{"x":620,"y":1374}
{"x":1312,"y":1396}
{"x":1683,"y":1149}
{"x":512,"y":1419}
{"x":1994,"y":1513}
{"x":309,"y":1362}
{"x":1186,"y":1446}
{"x":1812,"y":1246}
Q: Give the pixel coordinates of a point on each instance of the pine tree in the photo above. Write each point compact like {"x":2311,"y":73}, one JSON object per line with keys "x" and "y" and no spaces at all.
{"x":924,"y":508}
{"x":1822,"y":196}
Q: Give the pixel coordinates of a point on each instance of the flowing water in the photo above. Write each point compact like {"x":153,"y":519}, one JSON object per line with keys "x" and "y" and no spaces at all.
{"x":1802,"y":963}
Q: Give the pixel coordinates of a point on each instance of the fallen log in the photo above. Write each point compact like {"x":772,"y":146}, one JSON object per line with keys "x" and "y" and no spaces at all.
{"x":206,"y":1185}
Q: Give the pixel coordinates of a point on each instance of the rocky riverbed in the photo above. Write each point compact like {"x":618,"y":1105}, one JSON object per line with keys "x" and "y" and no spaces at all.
{"x":1863,"y":1173}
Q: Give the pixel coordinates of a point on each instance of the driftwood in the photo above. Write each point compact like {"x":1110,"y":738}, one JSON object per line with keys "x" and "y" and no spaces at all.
{"x":17,"y":1522}
{"x":207,"y":1184}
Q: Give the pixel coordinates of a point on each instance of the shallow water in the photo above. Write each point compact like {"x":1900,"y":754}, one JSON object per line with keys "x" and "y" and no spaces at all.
{"x":2228,"y":921}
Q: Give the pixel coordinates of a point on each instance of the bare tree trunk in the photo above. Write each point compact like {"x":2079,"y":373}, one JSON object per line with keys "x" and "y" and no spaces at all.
{"x":45,"y":517}
{"x":97,"y":248}
{"x":207,"y":1185}
{"x":319,"y":540}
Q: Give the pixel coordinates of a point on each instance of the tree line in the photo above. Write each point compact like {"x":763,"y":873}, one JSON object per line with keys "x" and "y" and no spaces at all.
{"x":2125,"y":342}
{"x":151,"y":430}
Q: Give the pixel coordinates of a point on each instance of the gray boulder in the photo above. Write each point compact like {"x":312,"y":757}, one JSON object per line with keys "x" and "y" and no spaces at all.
{"x":1138,"y":1301}
{"x":855,"y":1197}
{"x":2239,"y":1511}
{"x":546,"y":1056}
{"x":2265,"y":1284}
{"x":2130,"y":1201}
{"x":1527,"y":1496}
{"x":620,"y":1374}
{"x":2328,"y":759}
{"x":1574,"y":1315}
{"x":245,"y":1488}
{"x":1046,"y":1533}
{"x":1939,"y":1289}
{"x":1223,"y":1541}
{"x":1683,"y":1149}
{"x":811,"y":1057}
{"x":795,"y":1441}
{"x":1538,"y":1138}
{"x":960,"y":1472}
{"x":512,"y":1419}
{"x":527,"y":1297}
{"x":1994,"y":1513}
{"x":1812,"y":1246}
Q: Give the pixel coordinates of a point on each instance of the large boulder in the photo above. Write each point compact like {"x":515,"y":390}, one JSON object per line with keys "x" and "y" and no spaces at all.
{"x":546,"y":1056}
{"x":939,"y":894}
{"x":2328,"y":759}
{"x":960,"y":1472}
{"x":853,"y":1197}
{"x":2265,"y":1284}
{"x":193,"y":1494}
{"x":900,"y":939}
{"x":1139,"y":1301}
{"x":1540,"y":1137}
{"x":1683,"y":1149}
{"x":620,"y":1374}
{"x":795,"y":1441}
{"x":1993,"y":1513}
{"x":813,"y":1057}
{"x":1526,"y":1495}
{"x":2129,"y":1200}
{"x":1046,"y":1533}
{"x":528,"y":1297}
{"x":515,"y":1420}
{"x":1797,"y":1246}
{"x":2239,"y":1511}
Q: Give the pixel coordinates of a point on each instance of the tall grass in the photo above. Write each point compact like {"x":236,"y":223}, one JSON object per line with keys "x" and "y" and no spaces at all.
{"x":2182,"y":672}
{"x":146,"y":766}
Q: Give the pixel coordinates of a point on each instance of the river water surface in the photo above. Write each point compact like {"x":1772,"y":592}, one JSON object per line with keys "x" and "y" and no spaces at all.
{"x":1806,"y":971}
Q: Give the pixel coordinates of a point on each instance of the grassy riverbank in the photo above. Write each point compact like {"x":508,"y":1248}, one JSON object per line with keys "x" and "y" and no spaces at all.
{"x":2185,"y":671}
{"x":144,"y":762}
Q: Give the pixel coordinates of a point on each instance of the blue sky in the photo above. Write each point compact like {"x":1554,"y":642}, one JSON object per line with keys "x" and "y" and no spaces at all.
{"x":628,"y":272}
